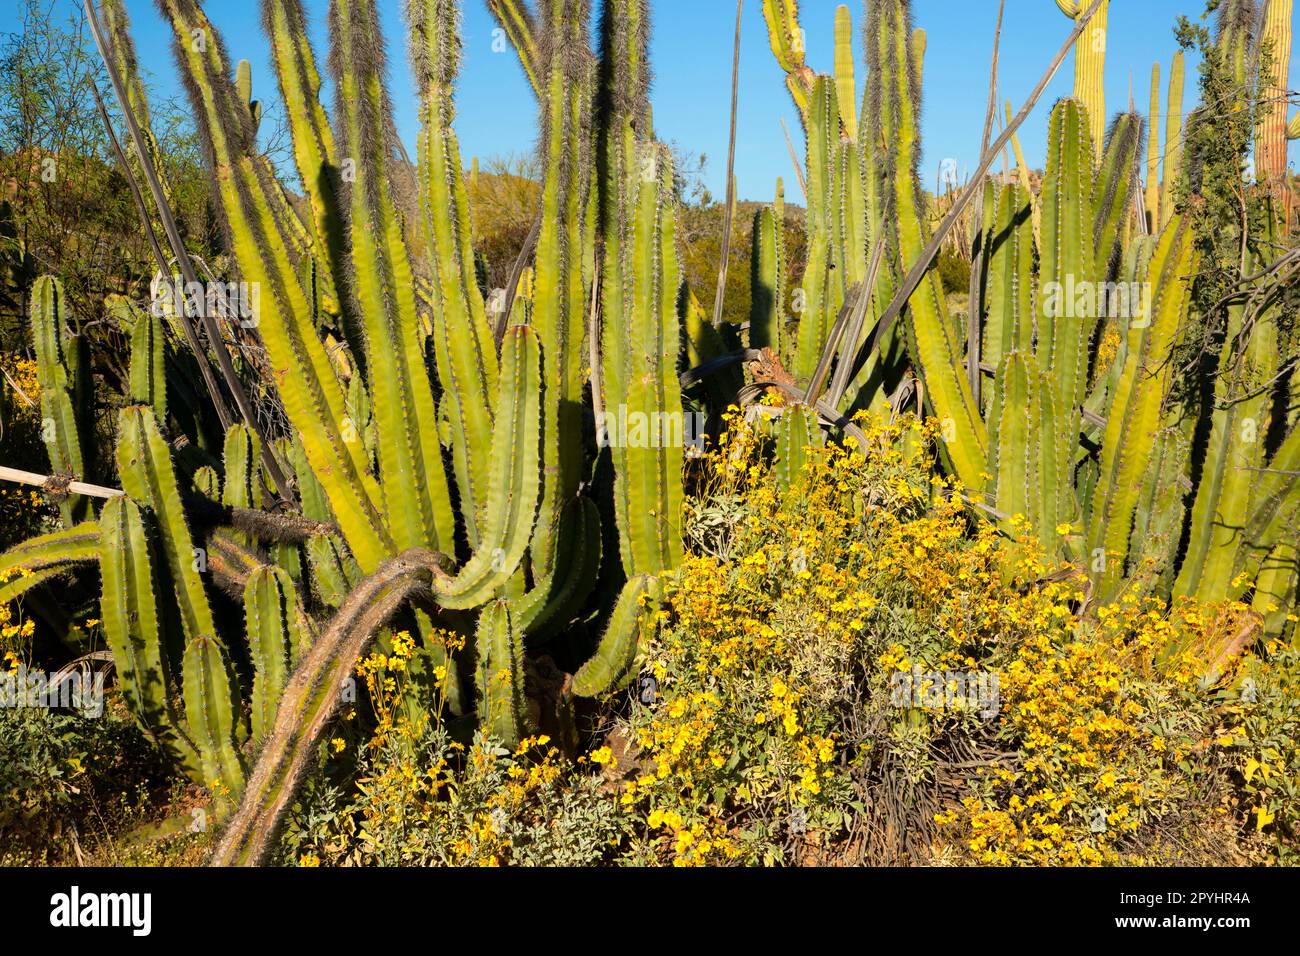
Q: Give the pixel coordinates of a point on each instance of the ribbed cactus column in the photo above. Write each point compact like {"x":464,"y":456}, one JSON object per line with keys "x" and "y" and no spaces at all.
{"x":314,"y":153}
{"x":1151,"y":195}
{"x":787,"y":40}
{"x":1235,"y":452}
{"x":1133,"y":413}
{"x":1090,"y":65}
{"x":248,"y":204}
{"x":466,"y":358}
{"x":933,"y":343}
{"x":1272,"y":135}
{"x":767,"y":277}
{"x":416,"y":496}
{"x":58,"y":364}
{"x":1173,"y":139}
{"x":132,"y":626}
{"x":563,"y":262}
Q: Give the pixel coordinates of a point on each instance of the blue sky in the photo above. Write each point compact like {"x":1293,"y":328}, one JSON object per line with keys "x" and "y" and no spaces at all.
{"x":692,"y":60}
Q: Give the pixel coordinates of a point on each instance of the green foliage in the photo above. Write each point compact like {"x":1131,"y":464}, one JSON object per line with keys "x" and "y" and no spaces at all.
{"x":66,"y":778}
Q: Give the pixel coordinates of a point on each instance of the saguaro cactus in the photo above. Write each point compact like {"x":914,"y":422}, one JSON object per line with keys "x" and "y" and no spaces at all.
{"x":1090,"y":65}
{"x":1274,"y":131}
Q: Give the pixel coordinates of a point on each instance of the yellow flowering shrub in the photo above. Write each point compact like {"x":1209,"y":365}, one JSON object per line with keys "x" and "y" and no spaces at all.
{"x":24,"y":511}
{"x":414,"y":793}
{"x":860,"y":667}
{"x":1262,"y":731}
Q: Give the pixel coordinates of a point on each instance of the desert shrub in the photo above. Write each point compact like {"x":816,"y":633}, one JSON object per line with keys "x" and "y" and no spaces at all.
{"x":24,"y":511}
{"x":769,"y":724}
{"x":1111,"y":736}
{"x":67,"y":779}
{"x":852,"y":665}
{"x":1264,"y":729}
{"x":954,"y":272}
{"x":417,"y":796}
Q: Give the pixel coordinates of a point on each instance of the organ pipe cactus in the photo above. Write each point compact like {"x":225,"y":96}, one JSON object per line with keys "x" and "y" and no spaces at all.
{"x":932,"y":341}
{"x":59,"y":367}
{"x":347,"y":313}
{"x":1088,"y":444}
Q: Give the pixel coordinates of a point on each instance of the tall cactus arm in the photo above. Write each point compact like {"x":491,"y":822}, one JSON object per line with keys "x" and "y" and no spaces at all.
{"x":133,"y":630}
{"x":148,"y":368}
{"x":1173,"y":140}
{"x":304,"y":375}
{"x":1235,"y":449}
{"x":315,"y":155}
{"x":767,"y":273}
{"x":56,"y":364}
{"x":210,"y":692}
{"x":1068,"y":259}
{"x":1114,"y":192}
{"x":521,"y":28}
{"x":1152,"y":195}
{"x":1013,"y":434}
{"x":846,"y":90}
{"x":122,"y":54}
{"x":563,"y":260}
{"x":1133,"y":417}
{"x":276,"y":637}
{"x":502,"y":710}
{"x":1271,"y":135}
{"x":37,"y":559}
{"x":311,"y":697}
{"x":466,"y":358}
{"x":932,"y":339}
{"x":144,"y":464}
{"x":649,"y":485}
{"x":611,"y":664}
{"x":1090,"y":66}
{"x":514,"y":476}
{"x":416,"y":498}
{"x":242,"y":487}
{"x":786,"y":37}
{"x":821,"y":288}
{"x":1010,"y":292}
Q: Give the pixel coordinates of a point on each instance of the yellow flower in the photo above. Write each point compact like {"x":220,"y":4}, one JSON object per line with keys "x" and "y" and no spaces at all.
{"x":602,"y":755}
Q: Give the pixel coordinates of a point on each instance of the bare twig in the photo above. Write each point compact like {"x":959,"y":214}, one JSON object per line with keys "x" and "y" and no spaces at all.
{"x":731,"y":175}
{"x":922,"y":265}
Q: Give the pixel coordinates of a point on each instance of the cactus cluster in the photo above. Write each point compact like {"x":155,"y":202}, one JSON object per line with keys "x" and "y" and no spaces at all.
{"x":1084,"y":292}
{"x":452,"y":458}
{"x":446,"y":475}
